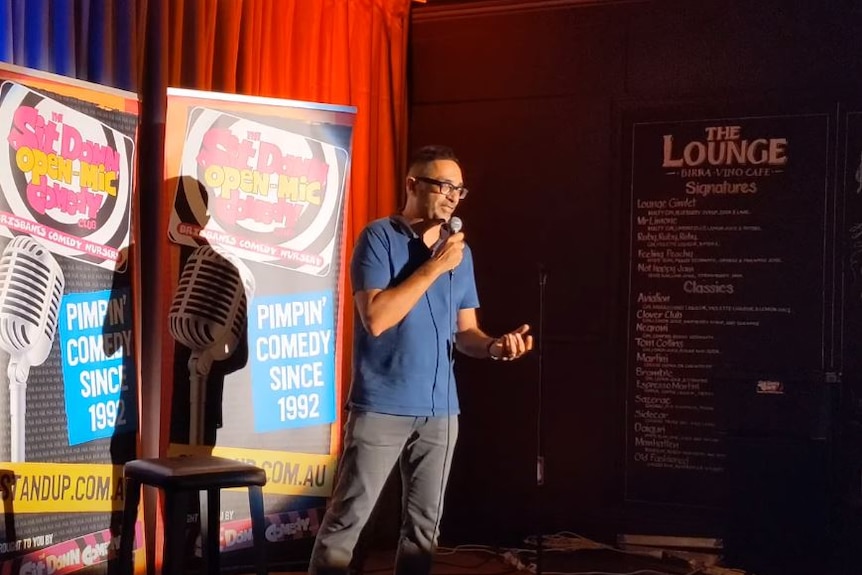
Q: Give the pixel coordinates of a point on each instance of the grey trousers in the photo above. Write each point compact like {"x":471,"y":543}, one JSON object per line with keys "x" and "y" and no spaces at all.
{"x":373,"y":443}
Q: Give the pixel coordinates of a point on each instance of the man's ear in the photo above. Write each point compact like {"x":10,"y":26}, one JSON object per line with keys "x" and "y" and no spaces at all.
{"x":410,"y":185}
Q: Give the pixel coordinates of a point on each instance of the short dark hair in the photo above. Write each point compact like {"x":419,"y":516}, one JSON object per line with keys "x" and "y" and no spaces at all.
{"x":428,"y":154}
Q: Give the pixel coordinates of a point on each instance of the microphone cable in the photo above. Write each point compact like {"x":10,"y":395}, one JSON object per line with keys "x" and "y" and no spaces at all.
{"x":450,"y":360}
{"x":454,"y":226}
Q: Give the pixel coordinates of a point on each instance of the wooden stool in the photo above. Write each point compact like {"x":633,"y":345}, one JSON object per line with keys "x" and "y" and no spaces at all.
{"x":176,"y":476}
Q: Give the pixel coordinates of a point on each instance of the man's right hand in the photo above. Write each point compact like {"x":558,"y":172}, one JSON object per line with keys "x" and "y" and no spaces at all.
{"x":450,"y":254}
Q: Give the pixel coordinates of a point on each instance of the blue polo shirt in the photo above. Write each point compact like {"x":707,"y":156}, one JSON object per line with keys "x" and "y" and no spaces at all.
{"x":407,"y":370}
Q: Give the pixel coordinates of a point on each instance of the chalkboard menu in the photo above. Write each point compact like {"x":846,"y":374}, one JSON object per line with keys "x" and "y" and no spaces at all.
{"x":852,"y":176}
{"x":727,"y":287}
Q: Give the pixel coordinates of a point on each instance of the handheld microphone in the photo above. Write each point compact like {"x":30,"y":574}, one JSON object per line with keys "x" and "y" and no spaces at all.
{"x":208,"y":314}
{"x":455,"y":224}
{"x":31,"y":286}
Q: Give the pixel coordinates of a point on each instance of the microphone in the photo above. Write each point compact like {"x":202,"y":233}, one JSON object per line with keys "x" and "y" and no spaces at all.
{"x":31,"y":286}
{"x":207,"y":315}
{"x":455,"y":224}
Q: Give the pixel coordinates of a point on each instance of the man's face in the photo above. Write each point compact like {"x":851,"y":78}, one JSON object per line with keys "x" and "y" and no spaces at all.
{"x":430,"y":199}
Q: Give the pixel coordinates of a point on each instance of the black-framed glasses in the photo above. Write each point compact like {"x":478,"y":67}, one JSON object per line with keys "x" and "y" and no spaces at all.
{"x":446,"y":188}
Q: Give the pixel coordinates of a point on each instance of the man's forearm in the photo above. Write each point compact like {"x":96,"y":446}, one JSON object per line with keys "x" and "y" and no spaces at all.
{"x":475,"y":343}
{"x":388,"y":307}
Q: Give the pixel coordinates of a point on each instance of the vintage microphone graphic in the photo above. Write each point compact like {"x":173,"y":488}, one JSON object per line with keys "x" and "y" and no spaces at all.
{"x":208,"y":315}
{"x":31,"y":286}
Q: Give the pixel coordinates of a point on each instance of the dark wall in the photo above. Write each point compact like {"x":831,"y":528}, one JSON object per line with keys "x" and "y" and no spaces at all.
{"x":528,"y":97}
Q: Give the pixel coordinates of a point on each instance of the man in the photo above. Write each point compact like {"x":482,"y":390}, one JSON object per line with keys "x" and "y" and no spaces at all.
{"x":414,"y":292}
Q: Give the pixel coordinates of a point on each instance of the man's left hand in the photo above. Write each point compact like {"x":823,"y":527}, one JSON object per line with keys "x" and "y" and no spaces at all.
{"x":511,"y":345}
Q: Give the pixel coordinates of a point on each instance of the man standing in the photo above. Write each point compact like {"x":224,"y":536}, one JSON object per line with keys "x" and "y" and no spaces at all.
{"x":415,"y":296}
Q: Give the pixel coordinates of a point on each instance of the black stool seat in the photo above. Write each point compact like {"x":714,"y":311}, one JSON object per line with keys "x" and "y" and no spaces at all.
{"x":176,"y":476}
{"x":194,"y":473}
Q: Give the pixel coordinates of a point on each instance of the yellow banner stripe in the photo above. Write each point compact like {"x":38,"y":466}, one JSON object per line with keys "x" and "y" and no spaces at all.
{"x":61,"y":487}
{"x":287,"y":473}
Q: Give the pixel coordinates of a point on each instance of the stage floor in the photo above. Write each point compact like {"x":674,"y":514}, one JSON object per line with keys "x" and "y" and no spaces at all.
{"x":446,"y":562}
{"x":490,"y":561}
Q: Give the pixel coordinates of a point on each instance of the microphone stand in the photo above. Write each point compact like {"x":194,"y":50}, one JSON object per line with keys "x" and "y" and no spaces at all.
{"x":540,"y":458}
{"x":199,"y":364}
{"x":18,"y":371}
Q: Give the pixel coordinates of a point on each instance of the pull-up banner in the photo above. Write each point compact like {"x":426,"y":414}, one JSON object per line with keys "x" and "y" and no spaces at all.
{"x":258,"y":190}
{"x":68,"y":397}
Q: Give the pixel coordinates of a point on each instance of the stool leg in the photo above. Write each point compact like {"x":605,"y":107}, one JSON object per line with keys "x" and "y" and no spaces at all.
{"x":258,"y":529}
{"x":127,"y":533}
{"x":210,"y":508}
{"x":176,"y":510}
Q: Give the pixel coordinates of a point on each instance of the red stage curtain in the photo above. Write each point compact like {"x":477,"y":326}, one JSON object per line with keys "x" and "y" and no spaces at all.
{"x":334,"y":51}
{"x":349,"y":52}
